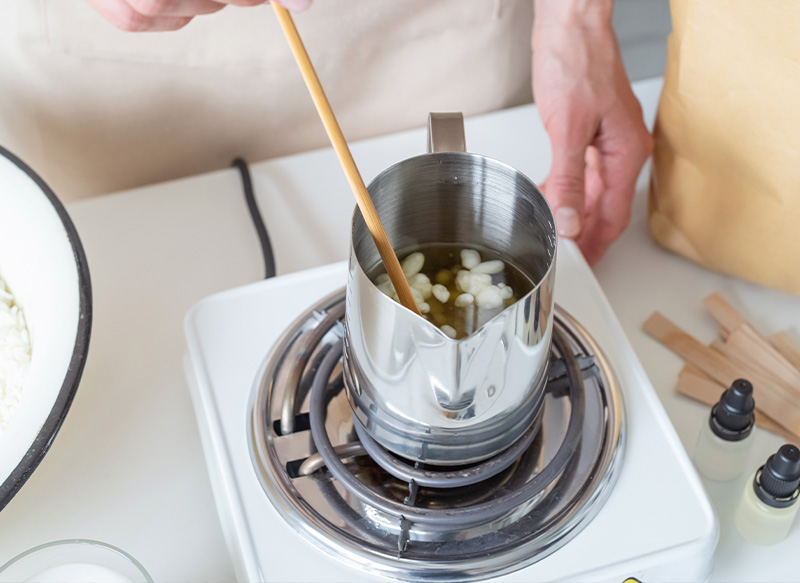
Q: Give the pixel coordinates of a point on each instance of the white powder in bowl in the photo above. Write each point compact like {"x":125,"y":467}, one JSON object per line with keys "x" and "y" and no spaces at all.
{"x":15,"y":355}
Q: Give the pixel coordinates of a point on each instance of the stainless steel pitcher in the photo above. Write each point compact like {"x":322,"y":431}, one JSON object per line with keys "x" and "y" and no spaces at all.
{"x":419,"y":393}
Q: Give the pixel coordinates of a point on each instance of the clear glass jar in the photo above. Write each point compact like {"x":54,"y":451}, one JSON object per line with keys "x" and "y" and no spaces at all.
{"x":74,"y":561}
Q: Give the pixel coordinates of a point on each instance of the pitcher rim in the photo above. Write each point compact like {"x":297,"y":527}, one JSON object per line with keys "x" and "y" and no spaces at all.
{"x":545,"y":276}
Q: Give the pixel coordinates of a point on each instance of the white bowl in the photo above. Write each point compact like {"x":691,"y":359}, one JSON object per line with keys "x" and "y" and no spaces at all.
{"x":42,"y":261}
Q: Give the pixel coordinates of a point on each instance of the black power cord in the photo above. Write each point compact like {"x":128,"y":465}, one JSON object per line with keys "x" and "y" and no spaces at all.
{"x":255,"y":215}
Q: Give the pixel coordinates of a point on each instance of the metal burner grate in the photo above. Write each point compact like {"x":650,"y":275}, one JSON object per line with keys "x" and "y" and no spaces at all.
{"x":366,"y":506}
{"x":440,"y":478}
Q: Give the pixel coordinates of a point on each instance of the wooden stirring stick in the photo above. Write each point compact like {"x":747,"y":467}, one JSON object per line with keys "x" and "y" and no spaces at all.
{"x":346,"y":159}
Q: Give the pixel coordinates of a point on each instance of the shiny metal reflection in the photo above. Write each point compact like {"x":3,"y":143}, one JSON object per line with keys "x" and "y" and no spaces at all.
{"x":417,"y":392}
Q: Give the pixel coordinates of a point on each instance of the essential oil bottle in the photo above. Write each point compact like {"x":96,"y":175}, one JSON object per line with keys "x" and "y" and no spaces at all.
{"x":725,"y":440}
{"x":770,"y":501}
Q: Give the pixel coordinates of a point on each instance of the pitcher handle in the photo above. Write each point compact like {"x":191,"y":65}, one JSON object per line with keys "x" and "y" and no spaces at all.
{"x":446,"y":132}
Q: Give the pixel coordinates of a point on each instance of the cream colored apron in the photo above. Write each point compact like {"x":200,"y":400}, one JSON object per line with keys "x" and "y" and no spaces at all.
{"x":96,"y":110}
{"x":725,"y":190}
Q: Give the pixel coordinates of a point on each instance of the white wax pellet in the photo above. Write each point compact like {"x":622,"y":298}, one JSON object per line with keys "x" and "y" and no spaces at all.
{"x":470,"y":258}
{"x":489,"y":298}
{"x":412,"y":264}
{"x":417,"y":295}
{"x":464,"y":300}
{"x":422,"y":283}
{"x":463,"y":279}
{"x":472,"y":283}
{"x":491,"y":267}
{"x":481,"y":279}
{"x":382,"y":278}
{"x":441,"y":293}
{"x":424,"y":307}
{"x":448,"y":330}
{"x":419,"y":279}
{"x":505,"y":291}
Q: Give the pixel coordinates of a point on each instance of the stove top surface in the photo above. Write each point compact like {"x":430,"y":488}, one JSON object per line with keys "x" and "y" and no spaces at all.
{"x":656,"y":523}
{"x":355,"y":500}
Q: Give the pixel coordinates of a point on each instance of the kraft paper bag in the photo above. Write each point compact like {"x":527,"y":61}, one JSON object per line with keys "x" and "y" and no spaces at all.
{"x":725,"y":188}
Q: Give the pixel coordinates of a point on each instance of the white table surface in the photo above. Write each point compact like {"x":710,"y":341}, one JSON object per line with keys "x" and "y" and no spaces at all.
{"x":127,"y":467}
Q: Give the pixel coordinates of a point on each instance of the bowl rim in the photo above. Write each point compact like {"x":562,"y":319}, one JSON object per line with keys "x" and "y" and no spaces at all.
{"x":47,"y":433}
{"x":79,"y":542}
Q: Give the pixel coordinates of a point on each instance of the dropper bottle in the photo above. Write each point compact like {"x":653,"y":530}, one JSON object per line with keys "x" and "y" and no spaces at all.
{"x":725,"y":440}
{"x":769,"y":504}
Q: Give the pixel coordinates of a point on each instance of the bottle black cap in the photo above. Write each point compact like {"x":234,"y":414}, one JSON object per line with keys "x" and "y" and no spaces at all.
{"x":777,"y":481}
{"x":732,"y":419}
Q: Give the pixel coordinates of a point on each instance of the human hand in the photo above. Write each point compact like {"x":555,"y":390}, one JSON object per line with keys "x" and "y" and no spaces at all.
{"x":598,"y":137}
{"x":158,"y":15}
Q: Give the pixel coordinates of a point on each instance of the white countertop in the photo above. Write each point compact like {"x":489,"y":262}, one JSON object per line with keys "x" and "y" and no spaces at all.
{"x":127,"y":467}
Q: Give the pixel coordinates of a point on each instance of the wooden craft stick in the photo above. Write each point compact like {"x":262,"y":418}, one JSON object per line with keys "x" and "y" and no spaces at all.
{"x":747,"y":367}
{"x":772,"y":398}
{"x":694,"y":384}
{"x":784,"y":344}
{"x":751,"y":367}
{"x":725,"y":314}
{"x":747,"y":342}
{"x":691,"y":350}
{"x":750,"y":346}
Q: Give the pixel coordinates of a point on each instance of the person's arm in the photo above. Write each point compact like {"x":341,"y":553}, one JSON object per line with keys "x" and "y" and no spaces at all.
{"x":158,"y":15}
{"x":598,"y":138}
